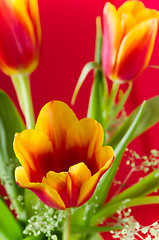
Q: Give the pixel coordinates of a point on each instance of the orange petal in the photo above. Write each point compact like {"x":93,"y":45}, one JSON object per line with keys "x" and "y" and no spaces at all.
{"x":88,"y":187}
{"x":131,"y":6}
{"x":47,"y":195}
{"x":83,"y":139}
{"x":34,"y":151}
{"x":58,"y":181}
{"x":34,"y":11}
{"x":105,"y":154}
{"x":78,"y":173}
{"x":55,"y":119}
{"x":128,"y":21}
{"x":112,"y":37}
{"x":146,"y":14}
{"x":20,"y":175}
{"x":135,"y":50}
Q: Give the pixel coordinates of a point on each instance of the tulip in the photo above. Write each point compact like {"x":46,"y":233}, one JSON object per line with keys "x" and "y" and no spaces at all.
{"x":62,"y":158}
{"x":128,"y":39}
{"x":20,"y":36}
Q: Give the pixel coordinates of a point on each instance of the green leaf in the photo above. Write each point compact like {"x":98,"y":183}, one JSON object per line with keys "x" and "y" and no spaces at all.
{"x":96,"y":237}
{"x":149,"y":118}
{"x":39,"y":237}
{"x":10,"y":122}
{"x":105,"y":183}
{"x":147,"y":185}
{"x":31,"y":200}
{"x":109,"y":210}
{"x":9,"y":227}
{"x":98,"y":99}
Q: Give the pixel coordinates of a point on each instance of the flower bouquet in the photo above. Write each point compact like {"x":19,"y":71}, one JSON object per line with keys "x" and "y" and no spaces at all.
{"x":60,"y":172}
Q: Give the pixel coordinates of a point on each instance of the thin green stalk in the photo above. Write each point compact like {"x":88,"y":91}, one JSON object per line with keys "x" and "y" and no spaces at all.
{"x":92,"y":229}
{"x":142,"y":188}
{"x":99,"y":91}
{"x":110,"y":210}
{"x":111,"y":100}
{"x":22,"y":87}
{"x":86,"y":69}
{"x":154,"y":66}
{"x":120,"y":105}
{"x":67,"y":225}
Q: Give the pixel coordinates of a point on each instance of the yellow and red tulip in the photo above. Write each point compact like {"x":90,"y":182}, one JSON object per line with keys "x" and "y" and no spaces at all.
{"x":20,"y":36}
{"x":128,"y":39}
{"x":62,"y":158}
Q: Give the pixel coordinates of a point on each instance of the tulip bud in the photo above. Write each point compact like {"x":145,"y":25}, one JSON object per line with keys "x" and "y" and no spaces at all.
{"x":20,"y":36}
{"x":128,"y":39}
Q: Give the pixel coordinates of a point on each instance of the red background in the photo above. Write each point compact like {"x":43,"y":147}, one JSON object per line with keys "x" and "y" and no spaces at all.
{"x":68,"y":38}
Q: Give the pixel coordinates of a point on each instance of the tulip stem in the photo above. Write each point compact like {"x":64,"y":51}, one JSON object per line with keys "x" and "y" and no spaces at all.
{"x":111,"y":101}
{"x":67,"y":225}
{"x":22,"y":86}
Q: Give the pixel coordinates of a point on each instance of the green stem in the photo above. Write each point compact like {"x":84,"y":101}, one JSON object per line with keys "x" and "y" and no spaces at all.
{"x":154,"y":66}
{"x":22,"y":87}
{"x":111,"y":100}
{"x":67,"y":225}
{"x":99,"y":89}
{"x":120,"y":105}
{"x":92,"y":229}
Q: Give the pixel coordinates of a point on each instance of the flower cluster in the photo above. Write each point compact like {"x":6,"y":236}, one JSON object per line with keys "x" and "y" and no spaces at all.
{"x":70,"y":164}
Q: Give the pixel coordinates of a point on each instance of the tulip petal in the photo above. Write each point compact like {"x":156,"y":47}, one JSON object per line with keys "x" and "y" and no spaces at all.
{"x":35,"y":153}
{"x":20,"y":9}
{"x":78,"y":173}
{"x":55,"y":119}
{"x":34,"y":14}
{"x":104,"y":154}
{"x":146,"y":14}
{"x":131,"y":6}
{"x":135,"y":50}
{"x":21,"y":175}
{"x":47,"y":195}
{"x":128,"y":21}
{"x":112,"y":37}
{"x":84,"y":138}
{"x":88,"y":187}
{"x":58,"y":181}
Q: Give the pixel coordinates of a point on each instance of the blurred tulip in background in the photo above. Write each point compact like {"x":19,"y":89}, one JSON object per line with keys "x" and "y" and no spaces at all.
{"x":128,"y":39}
